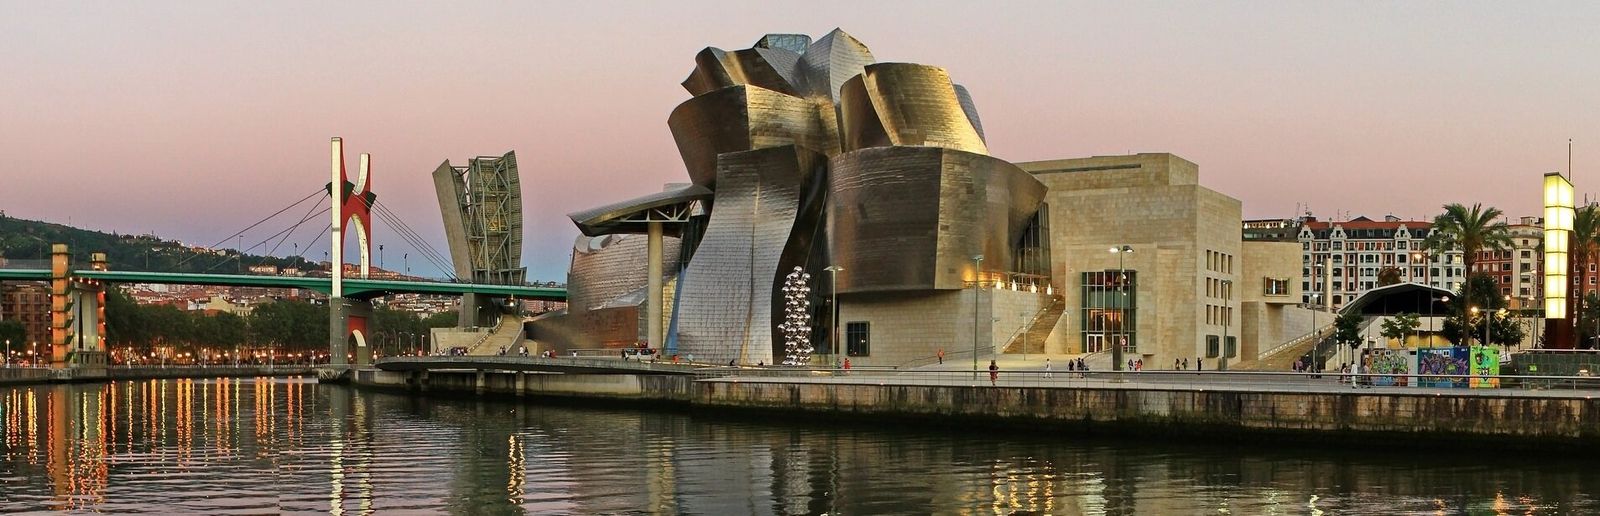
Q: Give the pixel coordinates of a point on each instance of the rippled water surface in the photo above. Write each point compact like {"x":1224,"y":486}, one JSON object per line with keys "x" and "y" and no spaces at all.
{"x":252,"y":446}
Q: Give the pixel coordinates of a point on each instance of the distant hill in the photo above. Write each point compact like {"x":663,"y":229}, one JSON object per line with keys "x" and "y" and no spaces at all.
{"x":28,"y":241}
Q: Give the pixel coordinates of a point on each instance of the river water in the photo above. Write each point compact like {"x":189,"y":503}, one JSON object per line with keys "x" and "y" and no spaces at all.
{"x":251,"y":446}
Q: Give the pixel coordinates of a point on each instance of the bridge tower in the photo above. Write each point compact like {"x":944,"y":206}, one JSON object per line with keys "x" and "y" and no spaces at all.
{"x":77,"y":312}
{"x":352,"y":202}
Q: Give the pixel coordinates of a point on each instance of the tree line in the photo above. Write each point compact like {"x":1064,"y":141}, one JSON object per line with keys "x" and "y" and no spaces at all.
{"x":287,"y":326}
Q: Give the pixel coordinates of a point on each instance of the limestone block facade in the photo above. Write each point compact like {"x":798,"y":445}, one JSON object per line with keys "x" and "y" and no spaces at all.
{"x":911,"y":327}
{"x":1185,"y":262}
{"x":1268,"y":291}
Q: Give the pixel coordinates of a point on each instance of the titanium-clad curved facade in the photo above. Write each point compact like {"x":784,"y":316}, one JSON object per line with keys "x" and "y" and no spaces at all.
{"x":905,"y":104}
{"x":812,"y":155}
{"x":911,"y":218}
{"x":740,"y":118}
{"x":830,"y":61}
{"x":731,"y":286}
{"x":605,"y":268}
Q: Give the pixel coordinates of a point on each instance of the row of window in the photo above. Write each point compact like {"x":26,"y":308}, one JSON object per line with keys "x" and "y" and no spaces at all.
{"x":1213,"y":340}
{"x":1372,"y":272}
{"x":1219,"y":315}
{"x":1219,"y":288}
{"x":1386,"y":259}
{"x":1219,"y":262}
{"x":1357,"y":246}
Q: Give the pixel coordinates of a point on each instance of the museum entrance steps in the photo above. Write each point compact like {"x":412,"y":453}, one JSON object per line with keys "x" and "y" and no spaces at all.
{"x":1030,"y":340}
{"x":508,"y":332}
{"x":1282,"y":357}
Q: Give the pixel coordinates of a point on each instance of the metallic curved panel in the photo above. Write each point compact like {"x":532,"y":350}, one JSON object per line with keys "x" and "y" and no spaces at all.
{"x":971,"y":109}
{"x":730,"y":289}
{"x":911,"y":218}
{"x":830,"y":61}
{"x":625,"y":216}
{"x":740,"y":118}
{"x":859,"y":125}
{"x":796,"y":43}
{"x":610,"y":267}
{"x":482,"y":208}
{"x":911,"y":104}
{"x":771,"y":68}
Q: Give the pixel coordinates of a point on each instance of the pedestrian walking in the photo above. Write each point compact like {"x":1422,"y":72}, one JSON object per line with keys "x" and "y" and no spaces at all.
{"x":1047,"y":372}
{"x":1200,"y":364}
{"x":847,"y":366}
{"x":941,"y":356}
{"x":1185,"y":363}
{"x":994,"y":373}
{"x":1176,"y":364}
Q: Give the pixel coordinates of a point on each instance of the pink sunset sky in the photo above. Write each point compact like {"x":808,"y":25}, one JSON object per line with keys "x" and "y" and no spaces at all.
{"x":193,"y":119}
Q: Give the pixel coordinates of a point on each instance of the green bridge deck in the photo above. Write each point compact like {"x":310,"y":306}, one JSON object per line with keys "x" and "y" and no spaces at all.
{"x":355,"y":288}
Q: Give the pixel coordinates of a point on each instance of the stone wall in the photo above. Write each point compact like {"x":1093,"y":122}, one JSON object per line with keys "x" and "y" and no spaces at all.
{"x":915,"y":326}
{"x":1153,"y":203}
{"x":1424,"y":418}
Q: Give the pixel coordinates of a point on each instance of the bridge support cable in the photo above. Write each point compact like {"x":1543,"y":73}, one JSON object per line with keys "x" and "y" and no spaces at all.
{"x":303,"y":218}
{"x":423,"y":246}
{"x":269,"y":238}
{"x":416,"y":241}
{"x":411,"y":237}
{"x":252,"y":226}
{"x":313,"y":242}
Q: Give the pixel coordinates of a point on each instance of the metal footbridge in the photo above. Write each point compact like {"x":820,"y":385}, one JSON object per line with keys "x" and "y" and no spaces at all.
{"x":353,"y":287}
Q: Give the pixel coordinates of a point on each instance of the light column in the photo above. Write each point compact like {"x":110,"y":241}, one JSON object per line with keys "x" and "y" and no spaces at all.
{"x":1558,"y":215}
{"x":653,"y":289}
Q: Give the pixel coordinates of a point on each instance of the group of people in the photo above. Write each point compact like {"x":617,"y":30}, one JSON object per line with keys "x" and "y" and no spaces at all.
{"x":1183,"y":364}
{"x":521,"y":350}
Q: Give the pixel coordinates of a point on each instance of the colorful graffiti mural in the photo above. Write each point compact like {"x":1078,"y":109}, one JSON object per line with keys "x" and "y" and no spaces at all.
{"x":1388,"y":362}
{"x":1485,"y":367}
{"x":1442,"y":361}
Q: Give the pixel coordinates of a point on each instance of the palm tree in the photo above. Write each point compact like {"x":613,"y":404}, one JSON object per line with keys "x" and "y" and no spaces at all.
{"x":1469,"y":230}
{"x":1582,"y":250}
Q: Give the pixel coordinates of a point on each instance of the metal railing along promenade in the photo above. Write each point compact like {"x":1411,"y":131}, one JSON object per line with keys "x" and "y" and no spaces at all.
{"x":1237,"y":381}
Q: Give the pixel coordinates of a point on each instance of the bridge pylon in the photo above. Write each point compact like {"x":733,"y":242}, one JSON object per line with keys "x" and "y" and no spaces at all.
{"x":77,"y":312}
{"x":352,"y":202}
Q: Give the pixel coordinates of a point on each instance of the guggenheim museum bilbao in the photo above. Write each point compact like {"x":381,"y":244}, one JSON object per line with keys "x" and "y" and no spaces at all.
{"x":875,"y":181}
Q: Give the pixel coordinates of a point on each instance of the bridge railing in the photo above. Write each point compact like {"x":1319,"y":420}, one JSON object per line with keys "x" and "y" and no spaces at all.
{"x":30,"y":263}
{"x":1251,"y":381}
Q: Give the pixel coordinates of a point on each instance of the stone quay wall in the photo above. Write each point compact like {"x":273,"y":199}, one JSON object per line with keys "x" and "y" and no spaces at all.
{"x":1514,"y":421}
{"x":35,"y":375}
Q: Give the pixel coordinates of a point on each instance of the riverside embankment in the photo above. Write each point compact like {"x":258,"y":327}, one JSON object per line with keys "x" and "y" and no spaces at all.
{"x":1243,"y":406}
{"x":34,"y":375}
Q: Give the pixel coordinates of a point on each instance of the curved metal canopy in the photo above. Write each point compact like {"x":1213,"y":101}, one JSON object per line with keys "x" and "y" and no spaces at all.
{"x":1399,"y":298}
{"x":675,"y":204}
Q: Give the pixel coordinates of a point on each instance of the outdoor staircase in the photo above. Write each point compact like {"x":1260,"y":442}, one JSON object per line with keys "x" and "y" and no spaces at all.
{"x":1038,"y":329}
{"x":507,"y":332}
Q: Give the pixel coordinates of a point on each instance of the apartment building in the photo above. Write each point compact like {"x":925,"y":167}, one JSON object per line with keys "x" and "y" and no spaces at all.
{"x":1342,"y":260}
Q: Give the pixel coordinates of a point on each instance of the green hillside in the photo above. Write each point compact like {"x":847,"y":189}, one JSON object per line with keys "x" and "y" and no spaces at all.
{"x":29,"y":241}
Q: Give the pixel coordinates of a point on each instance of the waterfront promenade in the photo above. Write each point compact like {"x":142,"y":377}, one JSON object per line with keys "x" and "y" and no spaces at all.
{"x":1523,"y":412}
{"x":33,"y":375}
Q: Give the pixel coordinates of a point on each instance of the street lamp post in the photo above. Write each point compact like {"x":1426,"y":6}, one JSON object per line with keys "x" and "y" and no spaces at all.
{"x":833,"y":309}
{"x":977,"y":289}
{"x":1434,"y":313}
{"x":1227,"y":318}
{"x":1122,"y":311}
{"x":1025,"y":324}
{"x":1314,"y":365}
{"x":1427,"y":271}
